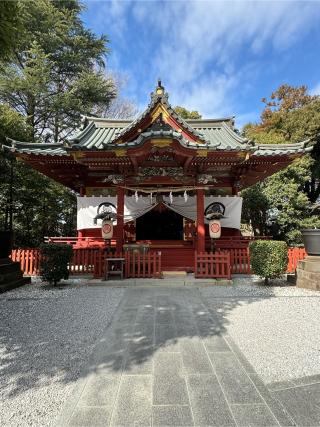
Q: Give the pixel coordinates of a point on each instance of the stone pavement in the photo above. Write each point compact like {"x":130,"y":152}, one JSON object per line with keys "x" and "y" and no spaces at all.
{"x":165,"y":361}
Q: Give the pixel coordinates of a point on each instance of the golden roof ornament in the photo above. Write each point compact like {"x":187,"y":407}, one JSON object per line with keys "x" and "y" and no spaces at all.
{"x":159,"y":88}
{"x":159,"y":92}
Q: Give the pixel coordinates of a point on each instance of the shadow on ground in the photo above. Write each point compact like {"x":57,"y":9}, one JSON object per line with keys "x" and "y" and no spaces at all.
{"x":165,"y":347}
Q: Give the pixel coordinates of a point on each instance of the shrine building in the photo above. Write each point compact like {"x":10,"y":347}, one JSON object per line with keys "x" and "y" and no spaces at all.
{"x":161,"y":175}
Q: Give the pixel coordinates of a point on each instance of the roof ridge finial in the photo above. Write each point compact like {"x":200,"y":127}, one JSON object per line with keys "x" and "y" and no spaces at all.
{"x":159,"y":92}
{"x":159,"y":88}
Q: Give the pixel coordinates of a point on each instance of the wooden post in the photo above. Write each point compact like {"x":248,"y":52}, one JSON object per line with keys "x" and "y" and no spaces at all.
{"x":82,"y":193}
{"x":234,"y":191}
{"x":120,"y":221}
{"x":200,"y":222}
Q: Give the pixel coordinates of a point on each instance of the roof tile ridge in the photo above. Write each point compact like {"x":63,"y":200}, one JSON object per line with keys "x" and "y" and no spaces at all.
{"x":212,"y":120}
{"x":182,"y":121}
{"x":15,"y":142}
{"x":82,"y":133}
{"x":234,"y":134}
{"x":105,"y":119}
{"x":300,"y":144}
{"x":150,"y":106}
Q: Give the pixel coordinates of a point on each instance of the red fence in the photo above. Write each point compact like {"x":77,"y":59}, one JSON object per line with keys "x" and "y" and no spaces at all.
{"x":136,"y":265}
{"x":29,"y":260}
{"x":212,"y":265}
{"x":92,"y":261}
{"x":295,"y":255}
{"x":240,"y":260}
{"x":143,"y":265}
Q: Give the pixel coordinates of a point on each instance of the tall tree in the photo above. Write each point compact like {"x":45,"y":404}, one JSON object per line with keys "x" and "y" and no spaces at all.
{"x":290,"y":115}
{"x":39,"y":206}
{"x":11,"y":26}
{"x":57,"y":72}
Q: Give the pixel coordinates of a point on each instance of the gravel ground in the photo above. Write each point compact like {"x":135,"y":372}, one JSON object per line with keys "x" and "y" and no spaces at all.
{"x":276,"y":327}
{"x":46,"y":336}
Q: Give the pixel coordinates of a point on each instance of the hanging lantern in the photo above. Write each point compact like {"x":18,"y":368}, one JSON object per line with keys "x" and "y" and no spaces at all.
{"x":107,"y":229}
{"x":136,"y":196}
{"x":185,"y":196}
{"x":215,"y":228}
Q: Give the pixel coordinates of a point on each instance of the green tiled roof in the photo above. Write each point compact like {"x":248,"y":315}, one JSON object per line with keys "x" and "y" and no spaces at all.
{"x":57,"y":149}
{"x":101,"y":133}
{"x":107,"y":134}
{"x":281,"y":149}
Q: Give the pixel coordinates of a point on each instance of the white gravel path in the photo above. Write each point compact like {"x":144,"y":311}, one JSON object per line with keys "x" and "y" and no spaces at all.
{"x":46,"y":336}
{"x":276,"y":327}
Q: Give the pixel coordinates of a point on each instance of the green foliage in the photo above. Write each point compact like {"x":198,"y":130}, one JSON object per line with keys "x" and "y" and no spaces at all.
{"x":290,"y":115}
{"x":186,"y":114}
{"x":280,"y":201}
{"x":10,"y":28}
{"x":254,"y":209}
{"x":269,"y":258}
{"x":54,"y":260}
{"x":57,"y":72}
{"x":40,"y":206}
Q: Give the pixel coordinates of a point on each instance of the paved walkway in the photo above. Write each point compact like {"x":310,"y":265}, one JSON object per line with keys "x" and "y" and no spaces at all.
{"x":164,"y":361}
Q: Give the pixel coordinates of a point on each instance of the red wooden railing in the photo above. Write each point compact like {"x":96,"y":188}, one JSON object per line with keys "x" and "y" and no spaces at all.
{"x":240,"y":260}
{"x":29,"y":260}
{"x":295,"y":255}
{"x":136,"y":265}
{"x":143,"y":265}
{"x":212,"y":265}
{"x":82,"y":261}
{"x":92,"y":261}
{"x":100,"y":257}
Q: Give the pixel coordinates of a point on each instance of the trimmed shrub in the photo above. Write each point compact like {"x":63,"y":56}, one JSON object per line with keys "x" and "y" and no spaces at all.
{"x":269,"y":258}
{"x":54,"y":260}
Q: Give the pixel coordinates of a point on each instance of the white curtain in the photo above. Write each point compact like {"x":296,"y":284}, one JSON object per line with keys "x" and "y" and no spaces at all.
{"x":87,"y":208}
{"x":188,"y":209}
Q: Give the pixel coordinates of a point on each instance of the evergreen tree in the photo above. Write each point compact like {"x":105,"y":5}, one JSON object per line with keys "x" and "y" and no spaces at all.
{"x":53,"y":73}
{"x":10,"y":27}
{"x":57,"y":71}
{"x":290,"y":115}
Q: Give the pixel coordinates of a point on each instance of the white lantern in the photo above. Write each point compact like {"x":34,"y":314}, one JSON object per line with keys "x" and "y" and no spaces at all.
{"x":107,"y":229}
{"x":215,"y":228}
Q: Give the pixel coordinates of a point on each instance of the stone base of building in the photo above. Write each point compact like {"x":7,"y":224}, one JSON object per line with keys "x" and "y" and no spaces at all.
{"x":308,"y":273}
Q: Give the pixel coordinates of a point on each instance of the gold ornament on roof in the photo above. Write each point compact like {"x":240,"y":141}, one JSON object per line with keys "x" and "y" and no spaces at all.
{"x":159,"y":88}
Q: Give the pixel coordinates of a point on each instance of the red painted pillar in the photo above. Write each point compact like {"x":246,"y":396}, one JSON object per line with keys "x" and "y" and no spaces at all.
{"x":82,"y":193}
{"x":200,"y":221}
{"x":120,"y":222}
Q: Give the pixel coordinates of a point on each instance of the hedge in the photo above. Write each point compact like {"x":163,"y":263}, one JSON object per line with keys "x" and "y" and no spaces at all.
{"x":54,"y":260}
{"x":269,"y":258}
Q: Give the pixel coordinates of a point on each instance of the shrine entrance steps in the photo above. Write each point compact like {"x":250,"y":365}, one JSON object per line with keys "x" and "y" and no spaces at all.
{"x":174,"y":274}
{"x":187,"y":281}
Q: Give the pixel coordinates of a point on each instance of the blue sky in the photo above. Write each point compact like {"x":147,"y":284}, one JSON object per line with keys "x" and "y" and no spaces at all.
{"x":219,"y":58}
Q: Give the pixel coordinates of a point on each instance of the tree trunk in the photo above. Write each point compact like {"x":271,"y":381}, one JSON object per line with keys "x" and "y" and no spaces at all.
{"x":56,"y":129}
{"x":266,"y":281}
{"x":31,"y":115}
